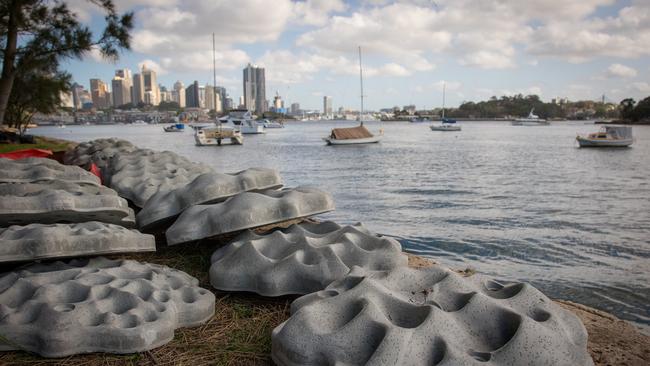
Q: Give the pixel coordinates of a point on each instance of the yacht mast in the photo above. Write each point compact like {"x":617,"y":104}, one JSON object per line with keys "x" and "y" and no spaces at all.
{"x":443,"y":100}
{"x":361,"y":82}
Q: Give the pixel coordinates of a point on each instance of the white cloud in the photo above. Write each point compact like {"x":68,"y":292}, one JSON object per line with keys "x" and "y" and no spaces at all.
{"x":448,"y":85}
{"x":152,"y":65}
{"x":641,"y":86}
{"x":620,"y":71}
{"x":316,"y":12}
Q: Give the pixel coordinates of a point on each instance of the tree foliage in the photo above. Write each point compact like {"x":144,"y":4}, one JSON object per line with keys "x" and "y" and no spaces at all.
{"x":40,"y":33}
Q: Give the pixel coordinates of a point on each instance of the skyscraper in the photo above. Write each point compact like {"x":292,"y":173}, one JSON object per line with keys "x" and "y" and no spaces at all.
{"x":192,"y":95}
{"x":138,"y":89}
{"x":150,"y":85}
{"x":178,"y":95}
{"x":76,"y":95}
{"x":221,"y":93}
{"x":99,"y":93}
{"x":254,"y":89}
{"x":327,"y":105}
{"x":121,"y":85}
{"x":210,"y":102}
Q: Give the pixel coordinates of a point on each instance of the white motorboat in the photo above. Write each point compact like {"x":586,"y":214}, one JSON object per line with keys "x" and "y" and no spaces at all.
{"x":608,"y":136}
{"x":215,"y":135}
{"x":242,"y":120}
{"x":272,"y":124}
{"x":354,"y":135}
{"x":531,"y":120}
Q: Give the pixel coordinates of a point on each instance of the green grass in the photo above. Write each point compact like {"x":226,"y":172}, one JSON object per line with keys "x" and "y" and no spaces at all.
{"x":41,"y":143}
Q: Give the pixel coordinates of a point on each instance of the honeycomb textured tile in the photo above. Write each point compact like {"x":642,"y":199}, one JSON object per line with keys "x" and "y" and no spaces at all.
{"x":247,"y":210}
{"x":97,"y":151}
{"x":139,"y":174}
{"x":302,"y":259}
{"x":38,"y":241}
{"x":204,"y":189}
{"x":50,"y":202}
{"x":97,"y":305}
{"x":41,"y":169}
{"x":428,"y":316}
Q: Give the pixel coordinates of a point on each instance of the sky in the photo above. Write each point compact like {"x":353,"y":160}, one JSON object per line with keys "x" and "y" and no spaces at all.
{"x":576,"y":49}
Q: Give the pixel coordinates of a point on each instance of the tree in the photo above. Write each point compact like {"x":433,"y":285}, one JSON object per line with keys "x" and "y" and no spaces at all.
{"x":626,"y":108}
{"x":35,"y":91}
{"x":642,"y":110}
{"x":49,"y":32}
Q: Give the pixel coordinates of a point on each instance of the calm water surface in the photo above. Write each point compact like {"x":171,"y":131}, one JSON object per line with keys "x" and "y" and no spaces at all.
{"x":518,"y":203}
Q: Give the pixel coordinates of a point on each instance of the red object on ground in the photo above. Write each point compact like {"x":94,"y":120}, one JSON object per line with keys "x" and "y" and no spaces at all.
{"x":27,"y":153}
{"x":95,"y":170}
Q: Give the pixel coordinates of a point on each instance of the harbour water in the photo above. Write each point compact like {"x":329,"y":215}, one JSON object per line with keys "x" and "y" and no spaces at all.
{"x":517,"y":203}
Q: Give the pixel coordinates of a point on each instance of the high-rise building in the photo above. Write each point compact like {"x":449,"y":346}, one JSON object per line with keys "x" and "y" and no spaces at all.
{"x":138,"y":89}
{"x":228,"y":104}
{"x":178,"y":95}
{"x":192,"y":95}
{"x":327,"y":105}
{"x":150,"y":85}
{"x":209,"y":101}
{"x":295,"y":108}
{"x":99,"y":94}
{"x":202,"y":96}
{"x":121,"y":86}
{"x":165,"y":95}
{"x":221,"y":96}
{"x":278,"y":103}
{"x":255,"y":89}
{"x":76,"y":95}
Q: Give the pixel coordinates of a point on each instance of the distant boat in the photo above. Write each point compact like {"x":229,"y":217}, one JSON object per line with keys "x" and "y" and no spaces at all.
{"x":531,"y":120}
{"x":447,"y":124}
{"x":242,"y":120}
{"x":216,"y":135}
{"x":354,"y":135}
{"x":272,"y":124}
{"x":608,"y":136}
{"x":139,"y":122}
{"x":176,"y":127}
{"x":420,"y":120}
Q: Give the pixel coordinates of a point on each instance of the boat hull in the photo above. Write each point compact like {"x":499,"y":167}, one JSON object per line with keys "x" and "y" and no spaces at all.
{"x":444,"y":128}
{"x":586,"y":142}
{"x":366,"y":140}
{"x":252,"y":130}
{"x":530,"y":123}
{"x":209,"y":137}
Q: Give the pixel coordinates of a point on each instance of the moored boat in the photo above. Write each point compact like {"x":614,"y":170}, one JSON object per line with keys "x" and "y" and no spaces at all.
{"x":531,"y":120}
{"x":211,"y":136}
{"x":176,"y":127}
{"x":447,"y":124}
{"x":273,"y":124}
{"x":242,"y":120}
{"x":608,"y":136}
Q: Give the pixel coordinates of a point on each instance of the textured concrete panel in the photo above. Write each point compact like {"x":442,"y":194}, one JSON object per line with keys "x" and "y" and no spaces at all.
{"x":301,"y":259}
{"x":139,"y":174}
{"x":97,"y":151}
{"x":204,"y":189}
{"x":38,"y":241}
{"x":41,"y":169}
{"x":247,"y":210}
{"x":428,"y":316}
{"x":97,"y":305}
{"x":50,"y":202}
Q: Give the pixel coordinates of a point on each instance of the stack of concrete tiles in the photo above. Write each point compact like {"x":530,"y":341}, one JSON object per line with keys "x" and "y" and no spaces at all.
{"x":97,"y":305}
{"x":247,"y":210}
{"x":207,"y":188}
{"x":429,"y":316}
{"x":302,"y":259}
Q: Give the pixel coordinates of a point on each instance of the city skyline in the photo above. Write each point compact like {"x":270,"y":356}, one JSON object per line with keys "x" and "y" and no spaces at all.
{"x":575,"y":49}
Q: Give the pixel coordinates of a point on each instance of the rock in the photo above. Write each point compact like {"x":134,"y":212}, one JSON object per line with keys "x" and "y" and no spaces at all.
{"x":247,"y":210}
{"x":428,"y":316}
{"x":205,"y":189}
{"x":56,"y":201}
{"x":38,"y":241}
{"x":97,"y":305}
{"x":302,"y":259}
{"x":41,"y":169}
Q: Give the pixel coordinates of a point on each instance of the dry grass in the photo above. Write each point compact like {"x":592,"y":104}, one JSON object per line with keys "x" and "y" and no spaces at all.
{"x":238,"y":334}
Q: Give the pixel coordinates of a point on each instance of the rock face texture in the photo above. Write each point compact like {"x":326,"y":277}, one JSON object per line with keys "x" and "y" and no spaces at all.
{"x":41,"y":169}
{"x":247,"y":210}
{"x":301,"y":259}
{"x":207,"y":188}
{"x":97,"y":305}
{"x":97,"y":151}
{"x":55,"y":201}
{"x":38,"y":241}
{"x":139,"y":174}
{"x":428,"y":316}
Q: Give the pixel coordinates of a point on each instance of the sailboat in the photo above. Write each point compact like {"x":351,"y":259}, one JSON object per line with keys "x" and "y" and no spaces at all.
{"x":216,"y":134}
{"x":354,"y":135}
{"x":447,"y":124}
